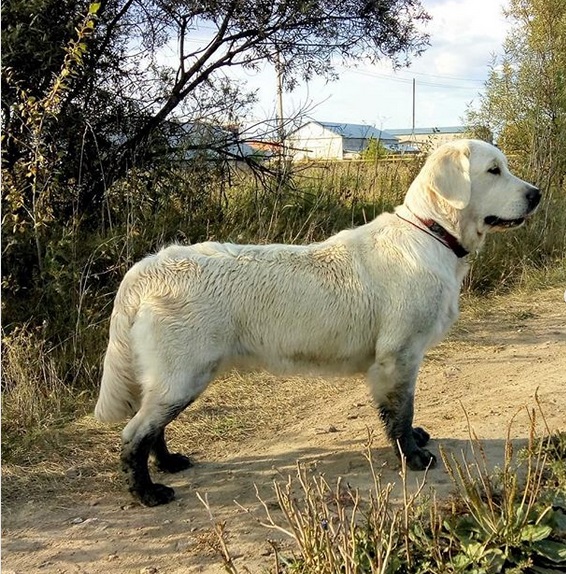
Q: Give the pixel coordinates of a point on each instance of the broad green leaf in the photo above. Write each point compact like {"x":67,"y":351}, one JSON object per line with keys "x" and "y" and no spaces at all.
{"x":559,"y":521}
{"x":496,"y":560}
{"x":475,"y":550}
{"x":461,"y":561}
{"x":535,"y":532}
{"x":553,"y":551}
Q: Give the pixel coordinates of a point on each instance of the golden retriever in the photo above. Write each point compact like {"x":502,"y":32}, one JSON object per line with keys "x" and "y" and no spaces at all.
{"x":367,"y":300}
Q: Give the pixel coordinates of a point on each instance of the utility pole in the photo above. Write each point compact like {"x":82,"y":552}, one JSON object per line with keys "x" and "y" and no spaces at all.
{"x":414,"y":90}
{"x":280,"y":117}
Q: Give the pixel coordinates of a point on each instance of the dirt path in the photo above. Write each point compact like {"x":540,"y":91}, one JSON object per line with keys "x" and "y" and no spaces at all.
{"x":490,"y":368}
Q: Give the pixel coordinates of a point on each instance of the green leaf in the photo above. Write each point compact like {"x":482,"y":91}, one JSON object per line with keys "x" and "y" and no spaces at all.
{"x":496,"y":559}
{"x":559,"y":521}
{"x":535,"y":532}
{"x":94,"y":7}
{"x":464,"y":528}
{"x":553,"y":551}
{"x":559,"y":500}
{"x":461,"y":561}
{"x":542,"y":570}
{"x":475,"y":550}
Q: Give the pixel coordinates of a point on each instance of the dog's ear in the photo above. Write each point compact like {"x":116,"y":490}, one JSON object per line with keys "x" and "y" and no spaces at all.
{"x":448,"y":175}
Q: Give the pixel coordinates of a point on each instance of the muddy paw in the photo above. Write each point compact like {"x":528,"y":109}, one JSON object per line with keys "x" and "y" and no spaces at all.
{"x":174,"y":462}
{"x":421,"y":459}
{"x":421,"y":436}
{"x":155,"y":495}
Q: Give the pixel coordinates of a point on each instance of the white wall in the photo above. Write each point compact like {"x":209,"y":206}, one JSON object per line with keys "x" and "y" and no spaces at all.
{"x":313,"y":141}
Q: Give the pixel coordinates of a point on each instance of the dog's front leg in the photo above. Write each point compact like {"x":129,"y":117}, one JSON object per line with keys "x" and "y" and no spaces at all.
{"x":392,"y":381}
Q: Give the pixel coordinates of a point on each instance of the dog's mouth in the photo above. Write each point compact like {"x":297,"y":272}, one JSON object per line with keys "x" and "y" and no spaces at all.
{"x":494,"y":221}
{"x":532,"y":197}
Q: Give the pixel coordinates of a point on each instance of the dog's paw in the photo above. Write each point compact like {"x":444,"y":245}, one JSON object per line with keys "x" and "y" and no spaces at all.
{"x":421,"y":436}
{"x":421,"y":459}
{"x":155,"y":495}
{"x":174,"y":462}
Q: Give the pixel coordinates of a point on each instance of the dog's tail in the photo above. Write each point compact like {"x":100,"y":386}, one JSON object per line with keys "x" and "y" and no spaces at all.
{"x":120,"y":394}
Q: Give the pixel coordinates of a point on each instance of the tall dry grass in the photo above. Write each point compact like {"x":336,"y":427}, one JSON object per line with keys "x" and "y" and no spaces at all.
{"x":54,"y":335}
{"x":319,"y":200}
{"x":35,"y":393}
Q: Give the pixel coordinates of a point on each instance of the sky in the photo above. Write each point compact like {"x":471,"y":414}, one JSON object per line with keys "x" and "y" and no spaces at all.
{"x":464,"y":36}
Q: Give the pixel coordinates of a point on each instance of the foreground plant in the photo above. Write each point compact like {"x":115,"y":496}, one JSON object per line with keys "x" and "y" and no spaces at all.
{"x":508,"y":520}
{"x":335,"y":530}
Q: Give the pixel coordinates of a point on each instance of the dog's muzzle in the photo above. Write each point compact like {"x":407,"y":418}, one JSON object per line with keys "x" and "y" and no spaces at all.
{"x":533,"y":197}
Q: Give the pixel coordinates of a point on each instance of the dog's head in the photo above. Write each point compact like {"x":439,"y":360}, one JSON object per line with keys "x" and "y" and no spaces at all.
{"x":468,"y":186}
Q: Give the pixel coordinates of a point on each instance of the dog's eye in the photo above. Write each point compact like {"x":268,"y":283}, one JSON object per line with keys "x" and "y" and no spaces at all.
{"x":494,"y":170}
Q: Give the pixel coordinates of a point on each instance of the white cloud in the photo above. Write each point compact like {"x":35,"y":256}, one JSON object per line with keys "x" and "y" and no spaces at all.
{"x":460,"y":20}
{"x":449,"y":64}
{"x":464,"y":34}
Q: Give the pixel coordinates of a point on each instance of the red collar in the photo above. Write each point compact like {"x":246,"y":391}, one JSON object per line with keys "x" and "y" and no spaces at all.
{"x":438,"y":232}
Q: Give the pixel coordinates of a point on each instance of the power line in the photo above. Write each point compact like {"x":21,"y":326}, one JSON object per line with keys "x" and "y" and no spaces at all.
{"x":446,"y":77}
{"x":410,"y":81}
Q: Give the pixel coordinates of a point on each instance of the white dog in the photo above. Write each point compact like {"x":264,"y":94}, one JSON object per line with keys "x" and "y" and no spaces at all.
{"x":371,"y":299}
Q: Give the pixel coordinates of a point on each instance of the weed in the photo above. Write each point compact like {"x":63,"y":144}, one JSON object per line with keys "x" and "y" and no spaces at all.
{"x":498,"y":520}
{"x":507,"y":524}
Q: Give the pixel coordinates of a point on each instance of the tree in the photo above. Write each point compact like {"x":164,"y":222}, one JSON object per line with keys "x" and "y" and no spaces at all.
{"x":119,"y":105}
{"x":125,"y":95}
{"x":28,"y":185}
{"x":374,"y":151}
{"x":524,"y":104}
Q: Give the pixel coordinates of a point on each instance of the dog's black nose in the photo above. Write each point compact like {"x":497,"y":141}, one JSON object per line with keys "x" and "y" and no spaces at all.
{"x":533,"y":196}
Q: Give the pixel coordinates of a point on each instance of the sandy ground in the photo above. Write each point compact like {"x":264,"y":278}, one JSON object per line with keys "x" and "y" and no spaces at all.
{"x":489,"y":369}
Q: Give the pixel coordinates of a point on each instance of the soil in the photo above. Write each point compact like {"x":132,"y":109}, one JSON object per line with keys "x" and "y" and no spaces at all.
{"x":504,"y":364}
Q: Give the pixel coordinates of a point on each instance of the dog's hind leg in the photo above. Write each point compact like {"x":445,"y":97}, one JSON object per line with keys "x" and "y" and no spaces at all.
{"x":392,"y":381}
{"x":162,"y":402}
{"x":396,"y":411}
{"x":165,"y":460}
{"x":421,"y":436}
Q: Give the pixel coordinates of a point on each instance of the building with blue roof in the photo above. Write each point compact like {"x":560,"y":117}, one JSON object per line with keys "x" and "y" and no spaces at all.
{"x":427,"y":139}
{"x":335,"y":140}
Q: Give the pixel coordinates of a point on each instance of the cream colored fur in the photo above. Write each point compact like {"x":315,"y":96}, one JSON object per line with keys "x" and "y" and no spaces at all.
{"x":367,"y":300}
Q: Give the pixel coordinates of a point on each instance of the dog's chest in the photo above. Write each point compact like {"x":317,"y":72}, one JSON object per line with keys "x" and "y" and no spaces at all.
{"x":447,"y":315}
